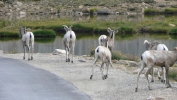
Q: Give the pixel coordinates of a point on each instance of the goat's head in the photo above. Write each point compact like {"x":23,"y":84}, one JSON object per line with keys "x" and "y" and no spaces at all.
{"x":112,"y":32}
{"x":106,"y":41}
{"x":148,"y":45}
{"x":151,"y":46}
{"x":22,"y":31}
{"x":67,"y":28}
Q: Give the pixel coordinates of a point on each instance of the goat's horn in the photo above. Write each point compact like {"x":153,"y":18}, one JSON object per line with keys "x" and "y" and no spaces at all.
{"x":109,"y":29}
{"x":66,"y":27}
{"x":145,"y":41}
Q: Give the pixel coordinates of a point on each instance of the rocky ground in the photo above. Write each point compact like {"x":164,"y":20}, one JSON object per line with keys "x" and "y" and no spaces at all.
{"x":73,"y":7}
{"x":120,"y":84}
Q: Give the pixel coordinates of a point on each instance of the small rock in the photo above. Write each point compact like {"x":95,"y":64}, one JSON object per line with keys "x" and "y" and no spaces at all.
{"x":1,"y":52}
{"x":155,"y":98}
{"x":125,"y":62}
{"x":58,"y":51}
{"x":172,"y":25}
{"x":19,"y":4}
{"x":133,"y":64}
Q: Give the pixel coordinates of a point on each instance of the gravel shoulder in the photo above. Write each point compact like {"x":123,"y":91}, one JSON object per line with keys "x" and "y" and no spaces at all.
{"x":120,"y":84}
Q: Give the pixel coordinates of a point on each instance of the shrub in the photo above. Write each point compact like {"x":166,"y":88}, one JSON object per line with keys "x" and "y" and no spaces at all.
{"x":152,"y":11}
{"x":173,"y":31}
{"x":44,"y":33}
{"x":8,"y":34}
{"x":170,"y":11}
{"x":92,"y":11}
{"x":173,"y":74}
{"x":126,"y":30}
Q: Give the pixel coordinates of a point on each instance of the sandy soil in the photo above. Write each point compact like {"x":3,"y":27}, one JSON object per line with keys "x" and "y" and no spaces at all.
{"x":120,"y":84}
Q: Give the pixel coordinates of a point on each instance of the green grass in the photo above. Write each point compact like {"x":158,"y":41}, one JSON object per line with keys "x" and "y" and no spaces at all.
{"x":173,"y":73}
{"x":91,"y":26}
{"x":118,"y":55}
{"x":152,"y":11}
{"x":44,"y":33}
{"x":173,"y":31}
{"x":170,"y":11}
{"x":44,"y":40}
{"x":8,"y":34}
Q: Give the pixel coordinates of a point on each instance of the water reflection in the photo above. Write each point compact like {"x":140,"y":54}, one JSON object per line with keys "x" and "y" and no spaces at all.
{"x":133,"y":46}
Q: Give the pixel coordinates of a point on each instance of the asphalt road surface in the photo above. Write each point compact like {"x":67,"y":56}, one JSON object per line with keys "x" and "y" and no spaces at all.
{"x":21,"y":81}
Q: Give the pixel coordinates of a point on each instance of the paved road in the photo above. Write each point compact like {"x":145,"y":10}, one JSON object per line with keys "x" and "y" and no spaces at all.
{"x":20,"y":81}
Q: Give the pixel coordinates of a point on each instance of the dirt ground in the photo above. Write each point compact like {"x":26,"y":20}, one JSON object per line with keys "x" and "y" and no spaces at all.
{"x":120,"y":84}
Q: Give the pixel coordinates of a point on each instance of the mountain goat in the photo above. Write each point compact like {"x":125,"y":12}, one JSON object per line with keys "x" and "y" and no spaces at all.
{"x":156,"y":46}
{"x":111,"y":39}
{"x":69,"y":42}
{"x":153,"y":58}
{"x":101,"y":39}
{"x":104,"y":54}
{"x":28,"y":42}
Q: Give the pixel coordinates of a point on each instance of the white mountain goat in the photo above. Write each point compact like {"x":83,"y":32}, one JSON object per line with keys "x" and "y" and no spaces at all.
{"x":101,"y":40}
{"x":153,"y":58}
{"x":104,"y":54}
{"x":111,"y":39}
{"x":156,"y":46}
{"x":69,"y":42}
{"x":28,"y":42}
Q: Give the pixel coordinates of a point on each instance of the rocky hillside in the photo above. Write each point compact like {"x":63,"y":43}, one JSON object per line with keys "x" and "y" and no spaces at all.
{"x":80,"y":7}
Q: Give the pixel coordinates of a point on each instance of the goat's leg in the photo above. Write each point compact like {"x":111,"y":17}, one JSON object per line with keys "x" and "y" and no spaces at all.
{"x":24,"y":49}
{"x":28,"y":53}
{"x":101,"y":69}
{"x":139,"y":73}
{"x":32,"y":50}
{"x":107,"y":67}
{"x":96,"y":58}
{"x":159,"y":76}
{"x":152,"y":72}
{"x":167,"y":77}
{"x":69,"y":50}
{"x":72,"y":52}
{"x":67,"y":53}
{"x":164,"y":74}
{"x":146,"y":75}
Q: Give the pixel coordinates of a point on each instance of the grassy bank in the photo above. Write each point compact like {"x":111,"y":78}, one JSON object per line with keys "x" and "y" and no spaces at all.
{"x":148,"y":24}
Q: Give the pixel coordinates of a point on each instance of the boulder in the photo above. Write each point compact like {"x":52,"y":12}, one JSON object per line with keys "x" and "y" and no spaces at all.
{"x":104,"y":11}
{"x":133,"y":64}
{"x":19,"y":4}
{"x":1,"y":4}
{"x":155,"y":98}
{"x":1,"y":51}
{"x":125,"y":62}
{"x":58,"y":51}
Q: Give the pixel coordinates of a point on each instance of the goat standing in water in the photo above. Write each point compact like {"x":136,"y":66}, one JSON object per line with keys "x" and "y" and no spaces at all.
{"x":69,"y":42}
{"x":28,"y":42}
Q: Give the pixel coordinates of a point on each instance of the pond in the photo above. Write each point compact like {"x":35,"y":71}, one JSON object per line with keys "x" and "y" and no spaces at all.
{"x":128,"y":44}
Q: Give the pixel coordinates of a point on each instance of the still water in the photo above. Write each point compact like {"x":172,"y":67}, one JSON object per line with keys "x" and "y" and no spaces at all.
{"x":132,"y":45}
